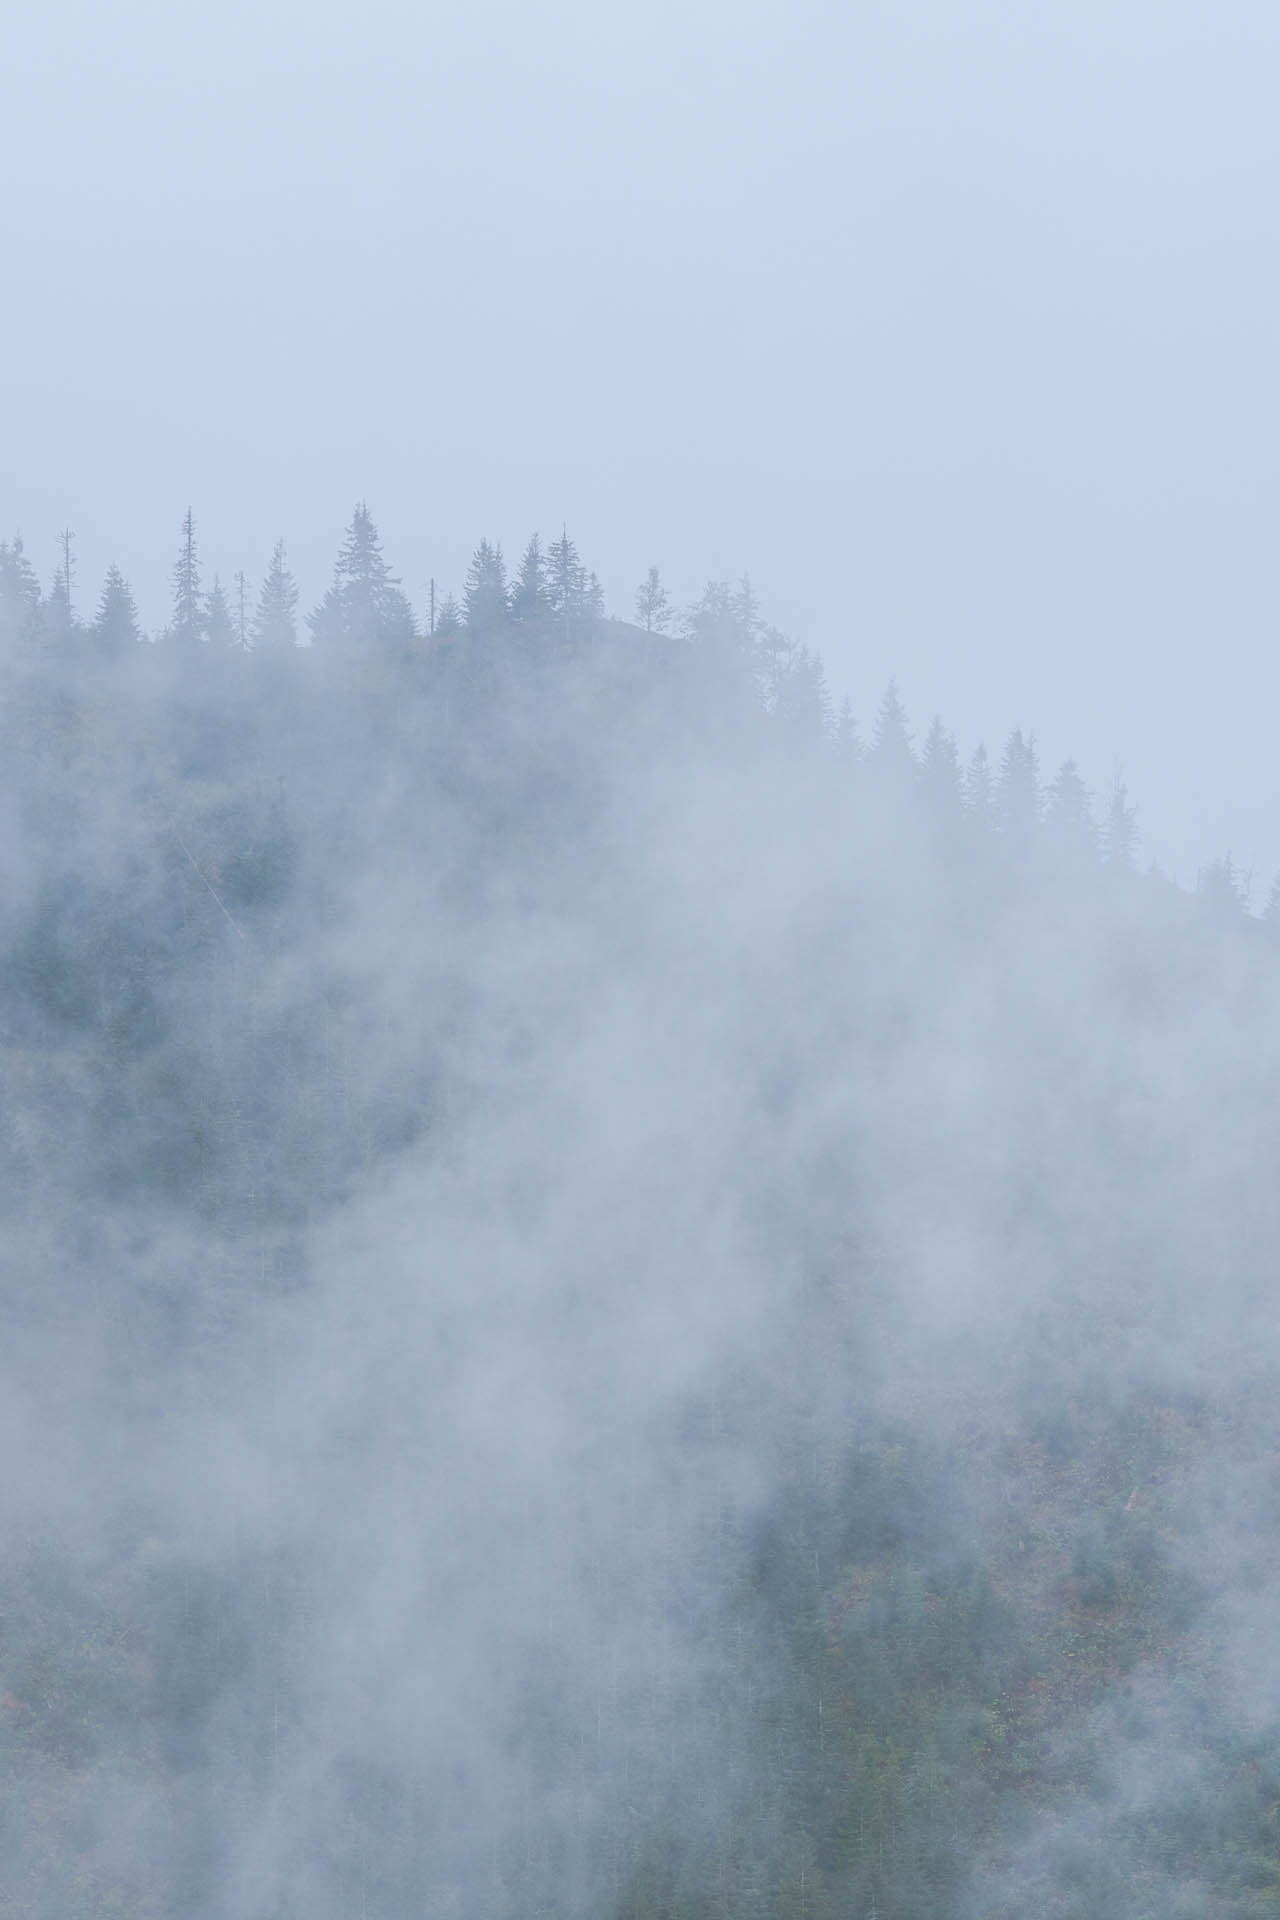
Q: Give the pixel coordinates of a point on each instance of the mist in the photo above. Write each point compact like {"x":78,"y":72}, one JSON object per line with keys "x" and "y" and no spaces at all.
{"x":637,"y":1166}
{"x":619,"y":1300}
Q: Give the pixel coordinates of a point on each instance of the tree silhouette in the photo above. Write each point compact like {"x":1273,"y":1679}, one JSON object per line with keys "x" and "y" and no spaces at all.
{"x":275,"y":622}
{"x":365,"y":605}
{"x":187,"y":622}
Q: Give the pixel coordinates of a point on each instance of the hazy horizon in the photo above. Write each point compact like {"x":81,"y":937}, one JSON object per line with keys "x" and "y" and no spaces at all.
{"x":949,"y":324}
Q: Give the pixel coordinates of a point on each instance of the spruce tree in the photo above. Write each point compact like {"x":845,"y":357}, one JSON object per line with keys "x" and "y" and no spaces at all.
{"x":1120,"y":834}
{"x":566,"y":579}
{"x":940,"y":777}
{"x":448,"y":619}
{"x":187,"y":624}
{"x":219,"y":622}
{"x":365,"y":605}
{"x":802,"y":707}
{"x":979,"y":789}
{"x":891,"y":761}
{"x":19,"y":592}
{"x":1223,"y":891}
{"x":485,"y":591}
{"x":1068,"y":815}
{"x":529,"y":599}
{"x":653,"y":603}
{"x":115,"y":628}
{"x":1017,"y":795}
{"x":275,"y":622}
{"x":848,"y":747}
{"x":59,"y":621}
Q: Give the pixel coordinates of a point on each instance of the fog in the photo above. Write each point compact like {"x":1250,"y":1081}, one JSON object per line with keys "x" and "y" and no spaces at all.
{"x":612,"y":1307}
{"x":949,"y":323}
{"x":629,"y":1288}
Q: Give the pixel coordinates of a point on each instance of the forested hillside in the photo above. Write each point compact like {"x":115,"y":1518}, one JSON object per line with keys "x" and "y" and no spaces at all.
{"x":622,"y":1297}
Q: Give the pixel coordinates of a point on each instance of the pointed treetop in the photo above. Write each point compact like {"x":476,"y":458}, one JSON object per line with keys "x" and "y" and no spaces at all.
{"x":187,"y":623}
{"x":365,"y":603}
{"x":653,"y":603}
{"x":115,"y":626}
{"x":529,"y":599}
{"x":275,"y":621}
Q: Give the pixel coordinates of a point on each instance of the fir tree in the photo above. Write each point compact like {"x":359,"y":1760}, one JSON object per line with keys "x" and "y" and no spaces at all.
{"x":848,"y":747}
{"x":1017,"y":796}
{"x":979,"y":789}
{"x":529,"y":599}
{"x":891,"y":760}
{"x":566,"y":579}
{"x":802,"y":707}
{"x":219,"y":622}
{"x":775,"y":652}
{"x":653,"y":603}
{"x":241,"y":584}
{"x":275,"y":621}
{"x":59,"y":620}
{"x":19,"y":592}
{"x":1119,"y":832}
{"x":1068,"y":815}
{"x":365,"y":605}
{"x":448,"y":618}
{"x":485,"y":591}
{"x":1223,"y":891}
{"x":187,"y":625}
{"x":940,"y":778}
{"x":115,"y":628}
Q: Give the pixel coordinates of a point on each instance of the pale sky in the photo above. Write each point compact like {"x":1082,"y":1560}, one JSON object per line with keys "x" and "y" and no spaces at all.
{"x":953,"y":323}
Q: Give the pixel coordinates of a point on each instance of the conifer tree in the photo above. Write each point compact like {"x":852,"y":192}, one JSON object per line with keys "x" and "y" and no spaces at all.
{"x":1223,"y":891}
{"x":848,"y":748}
{"x":187,"y":625}
{"x":275,"y":621}
{"x":1119,"y":831}
{"x":775,"y":653}
{"x":802,"y":706}
{"x":115,"y":626}
{"x":1068,"y":815}
{"x":219,"y":623}
{"x":529,"y":599}
{"x":566,"y":578}
{"x":241,"y":584}
{"x":891,"y":760}
{"x":485,"y":591}
{"x":653,"y":603}
{"x":1017,"y":796}
{"x":365,"y":605}
{"x":59,"y":621}
{"x":979,"y":789}
{"x":19,"y":592}
{"x":448,"y":618}
{"x":940,"y":778}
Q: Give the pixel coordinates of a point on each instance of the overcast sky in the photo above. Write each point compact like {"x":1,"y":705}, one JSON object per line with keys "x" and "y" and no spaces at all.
{"x":954,"y":323}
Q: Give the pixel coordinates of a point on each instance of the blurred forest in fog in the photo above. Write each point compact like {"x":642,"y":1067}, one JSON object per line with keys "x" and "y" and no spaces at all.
{"x":624,"y":1293}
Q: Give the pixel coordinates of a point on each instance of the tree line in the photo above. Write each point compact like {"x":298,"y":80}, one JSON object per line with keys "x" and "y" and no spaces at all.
{"x":553,"y":597}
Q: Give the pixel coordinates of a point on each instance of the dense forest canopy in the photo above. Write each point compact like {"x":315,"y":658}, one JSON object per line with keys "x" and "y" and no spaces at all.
{"x":623,"y":1296}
